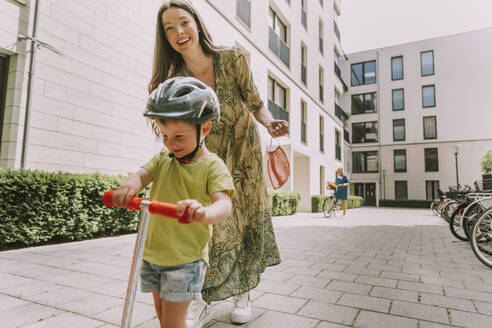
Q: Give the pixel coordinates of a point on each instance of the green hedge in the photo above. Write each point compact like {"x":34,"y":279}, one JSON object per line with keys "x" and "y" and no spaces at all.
{"x":283,"y":202}
{"x":317,"y":202}
{"x":414,"y":203}
{"x":39,"y":207}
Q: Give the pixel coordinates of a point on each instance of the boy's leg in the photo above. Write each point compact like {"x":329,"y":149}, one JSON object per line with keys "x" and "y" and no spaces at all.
{"x":158,"y":307}
{"x":174,"y":314}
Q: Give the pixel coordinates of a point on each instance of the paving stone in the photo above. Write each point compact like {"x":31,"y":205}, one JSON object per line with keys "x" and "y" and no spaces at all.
{"x":365,"y":302}
{"x":385,"y":267}
{"x":349,"y":287}
{"x":417,"y":286}
{"x":399,"y":276}
{"x":141,"y":313}
{"x":383,"y":282}
{"x":62,"y":320}
{"x":483,"y":308}
{"x":427,"y":324}
{"x":327,"y":266}
{"x":350,"y":277}
{"x":471,"y":320}
{"x":276,"y":287}
{"x":276,"y":275}
{"x":362,"y":271}
{"x":480,"y":287}
{"x":379,"y":320}
{"x":318,"y":294}
{"x":324,"y":324}
{"x":30,"y":289}
{"x":419,"y":311}
{"x":28,"y":313}
{"x":9,"y":280}
{"x":329,"y":312}
{"x":442,"y":282}
{"x":447,"y":302}
{"x":282,"y":320}
{"x":469,"y":294}
{"x":304,"y":280}
{"x":280,"y":303}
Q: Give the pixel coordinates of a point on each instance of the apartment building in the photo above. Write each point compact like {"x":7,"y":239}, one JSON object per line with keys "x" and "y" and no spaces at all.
{"x":420,"y":115}
{"x":93,"y":63}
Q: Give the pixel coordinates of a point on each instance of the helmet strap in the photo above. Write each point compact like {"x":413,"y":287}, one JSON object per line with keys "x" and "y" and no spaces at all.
{"x":187,"y":158}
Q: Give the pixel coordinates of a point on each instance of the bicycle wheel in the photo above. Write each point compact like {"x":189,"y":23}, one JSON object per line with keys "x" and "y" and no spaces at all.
{"x":435,"y":207}
{"x":481,"y":238}
{"x":448,"y":209}
{"x":327,"y":209}
{"x":455,"y":225}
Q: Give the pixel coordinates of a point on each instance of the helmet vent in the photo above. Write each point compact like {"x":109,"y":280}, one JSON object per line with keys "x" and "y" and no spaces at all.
{"x":183,"y":92}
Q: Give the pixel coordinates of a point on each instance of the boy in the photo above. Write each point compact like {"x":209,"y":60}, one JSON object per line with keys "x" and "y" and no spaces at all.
{"x":175,"y":254}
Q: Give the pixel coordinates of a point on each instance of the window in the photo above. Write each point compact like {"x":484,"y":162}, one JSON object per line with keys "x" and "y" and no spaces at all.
{"x":399,"y":130}
{"x":431,"y":160}
{"x":321,"y":134}
{"x":401,"y":190}
{"x":430,"y":127}
{"x":364,"y":103}
{"x":303,"y":13}
{"x":397,"y":68}
{"x":277,"y":37}
{"x":243,"y":11}
{"x":4,"y":71}
{"x":364,"y":161}
{"x":321,"y":3}
{"x":363,"y":73}
{"x":398,"y":99}
{"x":321,"y":180}
{"x":338,"y":145}
{"x":337,"y":30}
{"x":321,"y":83}
{"x":320,"y":33}
{"x":303,"y":121}
{"x":364,"y":132}
{"x":277,"y":100}
{"x":400,"y":160}
{"x":428,"y":96}
{"x":427,"y":63}
{"x":303,"y":64}
{"x":431,"y":187}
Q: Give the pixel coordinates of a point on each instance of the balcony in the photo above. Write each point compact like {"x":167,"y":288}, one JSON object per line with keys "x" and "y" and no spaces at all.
{"x":321,"y":45}
{"x":337,"y":30}
{"x":304,"y":17}
{"x":338,"y":73}
{"x":243,"y":11}
{"x":278,"y":46}
{"x":303,"y":74}
{"x":338,"y":152}
{"x":303,"y":132}
{"x":322,"y":143}
{"x":346,"y":136}
{"x":321,"y":93}
{"x":278,"y":112}
{"x":340,"y":113}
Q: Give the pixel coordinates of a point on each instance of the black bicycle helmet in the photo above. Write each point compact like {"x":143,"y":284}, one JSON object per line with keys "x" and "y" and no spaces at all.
{"x":183,"y":98}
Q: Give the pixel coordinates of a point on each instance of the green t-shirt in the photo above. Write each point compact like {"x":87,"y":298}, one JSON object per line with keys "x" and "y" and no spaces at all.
{"x":168,"y":242}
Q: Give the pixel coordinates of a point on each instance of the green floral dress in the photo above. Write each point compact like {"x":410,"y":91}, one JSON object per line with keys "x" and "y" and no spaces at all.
{"x":243,"y":245}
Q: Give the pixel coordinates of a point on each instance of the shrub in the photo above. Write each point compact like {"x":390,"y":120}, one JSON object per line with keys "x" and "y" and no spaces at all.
{"x":39,"y":207}
{"x":414,"y":203}
{"x":318,"y":200}
{"x":486,"y":163}
{"x":283,"y":202}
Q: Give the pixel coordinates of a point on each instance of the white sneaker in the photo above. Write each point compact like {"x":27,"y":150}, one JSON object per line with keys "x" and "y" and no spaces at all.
{"x":197,"y":311}
{"x":242,"y":308}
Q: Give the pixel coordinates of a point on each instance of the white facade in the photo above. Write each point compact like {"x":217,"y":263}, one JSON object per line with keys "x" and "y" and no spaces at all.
{"x":86,"y":104}
{"x":462,"y":109}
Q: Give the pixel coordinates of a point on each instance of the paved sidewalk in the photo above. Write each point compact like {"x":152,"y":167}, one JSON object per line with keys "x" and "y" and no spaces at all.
{"x":379,"y":268}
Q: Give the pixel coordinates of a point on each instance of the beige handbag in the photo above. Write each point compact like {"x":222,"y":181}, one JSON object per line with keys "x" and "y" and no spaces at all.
{"x":278,"y":167}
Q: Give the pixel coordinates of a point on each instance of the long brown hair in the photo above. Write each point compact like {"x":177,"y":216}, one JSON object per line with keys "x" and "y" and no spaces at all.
{"x":166,"y":59}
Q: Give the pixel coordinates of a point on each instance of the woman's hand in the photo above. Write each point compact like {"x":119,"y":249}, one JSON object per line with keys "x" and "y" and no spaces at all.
{"x":277,"y":128}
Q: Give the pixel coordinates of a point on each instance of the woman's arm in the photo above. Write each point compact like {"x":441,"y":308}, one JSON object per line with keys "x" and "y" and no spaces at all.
{"x":276,"y":128}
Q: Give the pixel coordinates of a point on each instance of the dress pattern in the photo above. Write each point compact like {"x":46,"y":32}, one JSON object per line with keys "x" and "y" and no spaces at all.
{"x":243,"y":245}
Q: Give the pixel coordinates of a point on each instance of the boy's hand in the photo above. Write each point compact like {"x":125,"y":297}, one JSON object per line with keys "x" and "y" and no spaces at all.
{"x":123,"y":194}
{"x":196,"y":211}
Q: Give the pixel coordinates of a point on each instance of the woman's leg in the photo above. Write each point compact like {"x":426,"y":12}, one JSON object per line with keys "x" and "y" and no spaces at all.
{"x":344,"y":204}
{"x":174,"y":314}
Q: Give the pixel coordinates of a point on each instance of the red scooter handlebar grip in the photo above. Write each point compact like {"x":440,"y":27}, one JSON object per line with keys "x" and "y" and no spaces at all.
{"x":167,"y":210}
{"x":133,"y":204}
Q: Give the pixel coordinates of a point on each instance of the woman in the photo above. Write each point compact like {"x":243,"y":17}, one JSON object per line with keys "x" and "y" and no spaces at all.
{"x":243,"y":245}
{"x":341,"y":192}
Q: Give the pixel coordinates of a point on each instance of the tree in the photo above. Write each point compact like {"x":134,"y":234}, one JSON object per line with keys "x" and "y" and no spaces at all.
{"x":486,"y":163}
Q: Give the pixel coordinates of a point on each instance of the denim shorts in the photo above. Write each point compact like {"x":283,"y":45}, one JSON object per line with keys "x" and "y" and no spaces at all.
{"x":174,"y":283}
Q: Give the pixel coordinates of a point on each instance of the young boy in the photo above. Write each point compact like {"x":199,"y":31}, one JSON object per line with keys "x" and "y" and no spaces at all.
{"x":175,"y":254}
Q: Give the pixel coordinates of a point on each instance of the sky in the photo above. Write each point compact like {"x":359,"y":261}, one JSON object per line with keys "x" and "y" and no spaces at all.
{"x":369,"y":24}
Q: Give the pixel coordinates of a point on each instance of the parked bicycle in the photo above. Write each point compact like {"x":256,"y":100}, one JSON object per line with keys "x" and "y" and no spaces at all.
{"x":331,"y":205}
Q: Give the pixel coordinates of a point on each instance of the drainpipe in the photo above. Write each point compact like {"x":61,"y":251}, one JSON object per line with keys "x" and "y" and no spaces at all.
{"x":380,"y":169}
{"x":29,"y":84}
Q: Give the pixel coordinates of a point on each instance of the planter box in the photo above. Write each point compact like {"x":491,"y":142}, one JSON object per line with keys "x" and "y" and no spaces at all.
{"x":487,"y":181}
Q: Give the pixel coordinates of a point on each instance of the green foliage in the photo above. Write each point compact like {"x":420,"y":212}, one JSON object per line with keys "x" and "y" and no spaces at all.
{"x":318,"y":200}
{"x":414,"y":203}
{"x":283,"y":202}
{"x":39,"y":207}
{"x":486,"y":163}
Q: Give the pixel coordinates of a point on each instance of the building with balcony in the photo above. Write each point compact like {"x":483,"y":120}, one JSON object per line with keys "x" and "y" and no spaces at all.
{"x":88,"y":95}
{"x":413,"y":106}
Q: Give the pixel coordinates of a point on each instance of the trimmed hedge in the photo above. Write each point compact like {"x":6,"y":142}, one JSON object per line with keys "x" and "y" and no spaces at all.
{"x":283,"y":202}
{"x":413,"y":203}
{"x":39,"y":207}
{"x":318,"y":200}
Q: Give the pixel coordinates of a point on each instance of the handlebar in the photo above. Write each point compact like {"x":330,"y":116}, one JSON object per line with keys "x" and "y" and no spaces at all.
{"x":154,"y":207}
